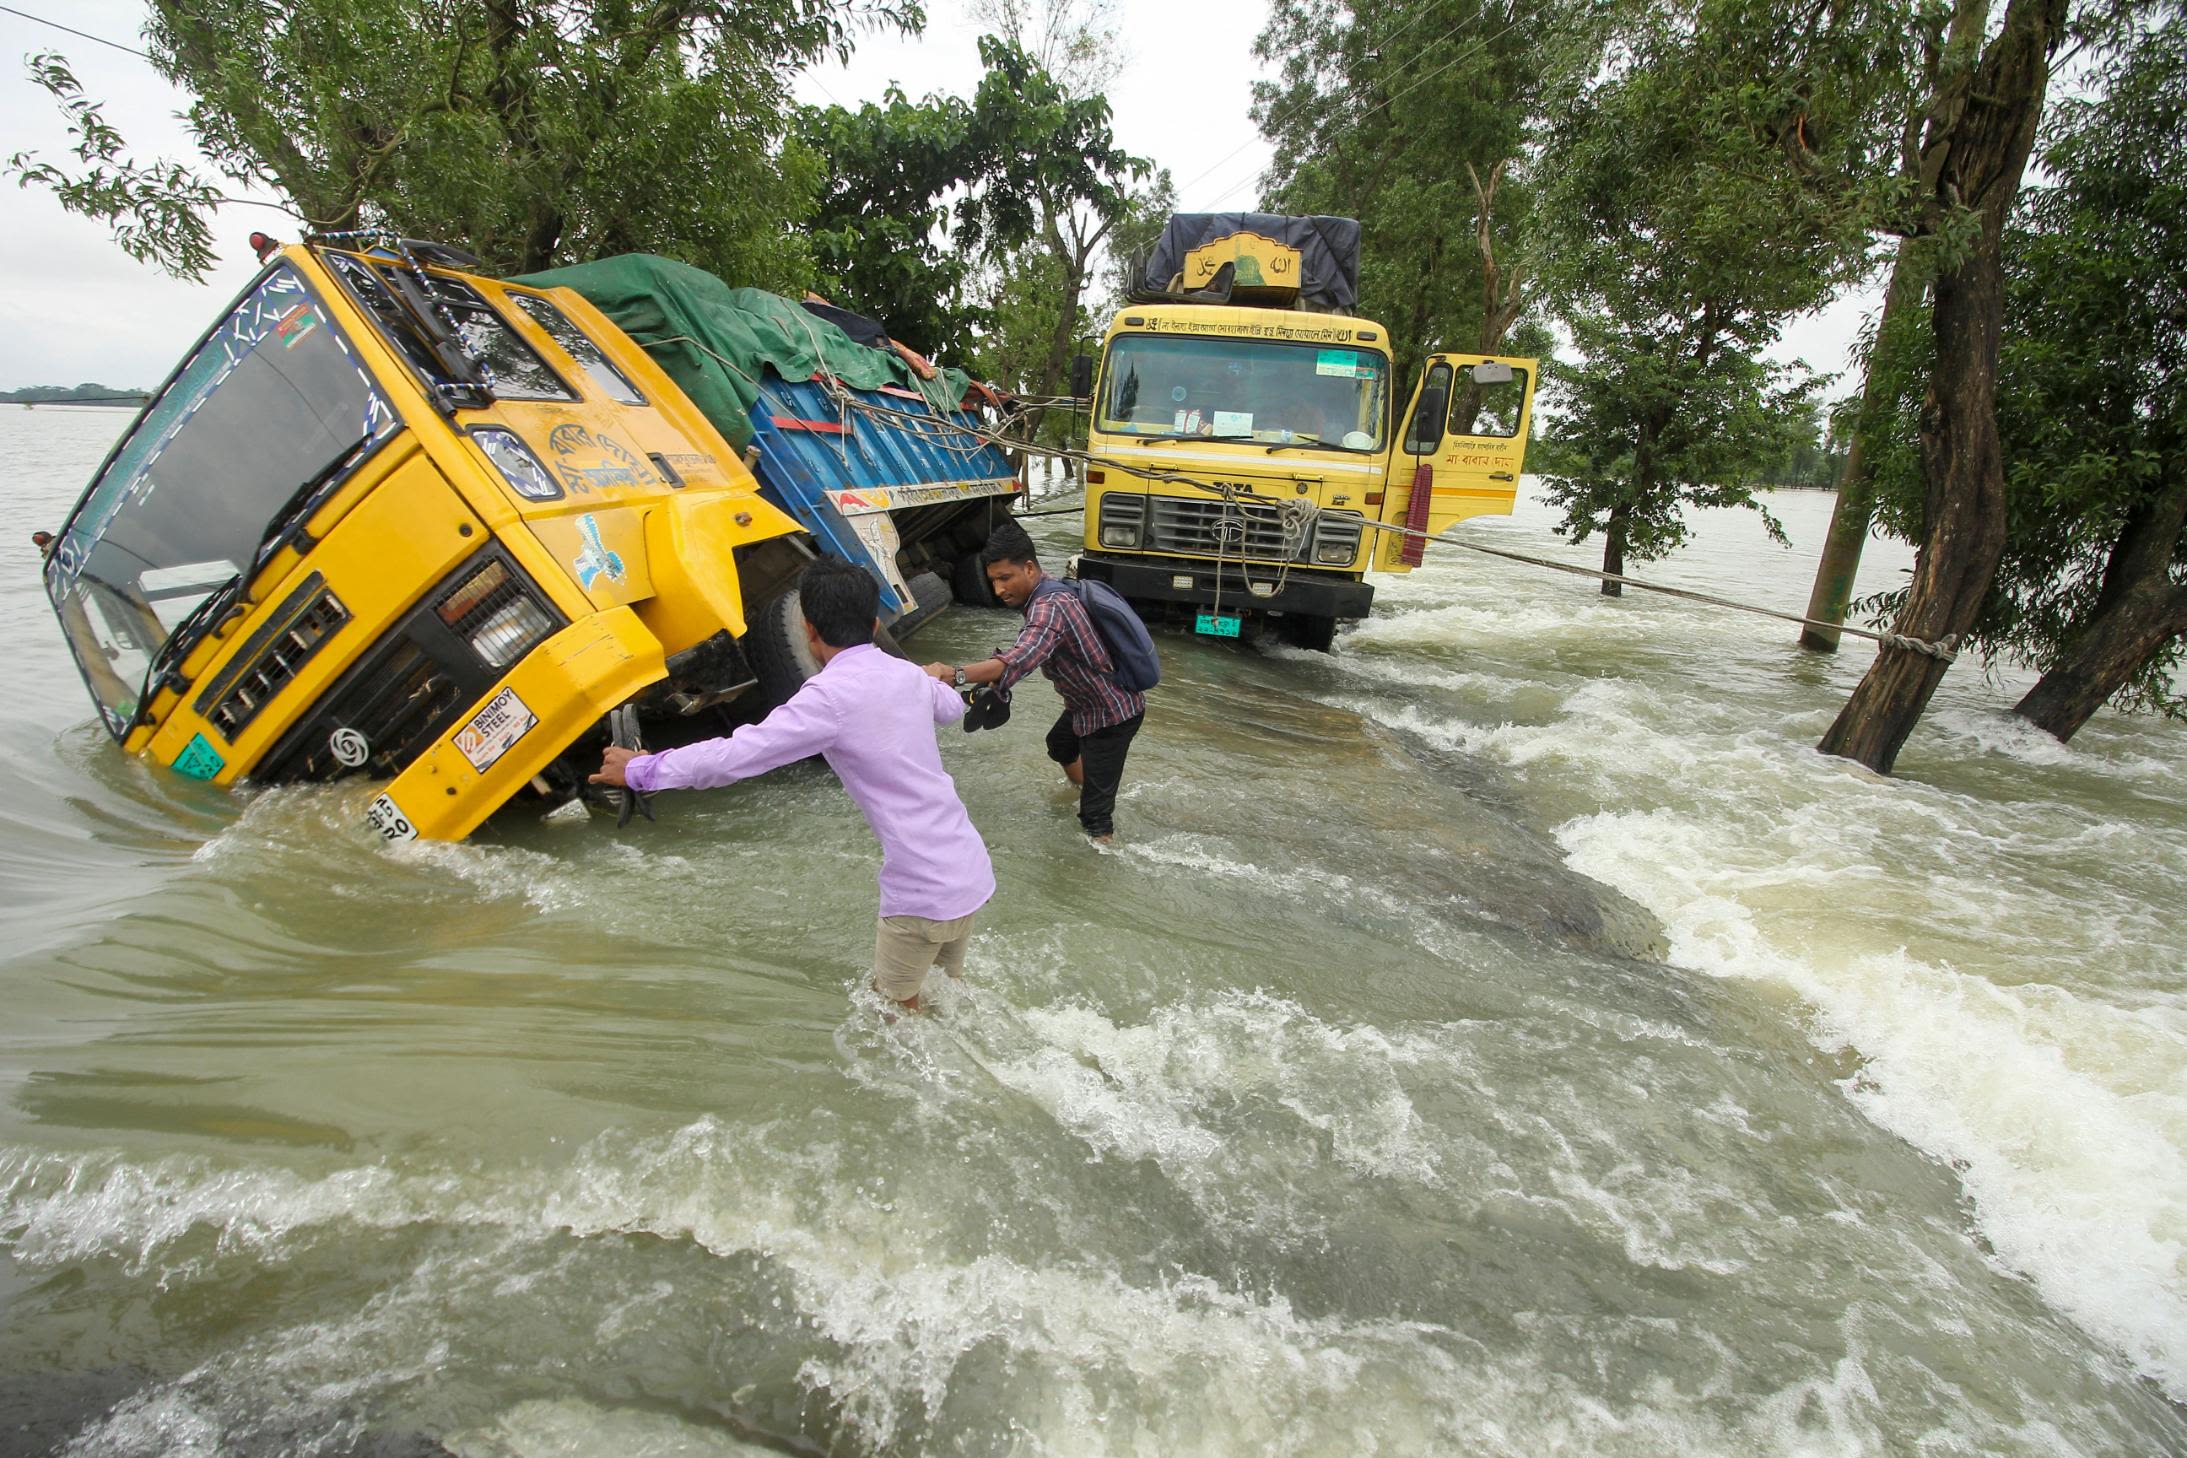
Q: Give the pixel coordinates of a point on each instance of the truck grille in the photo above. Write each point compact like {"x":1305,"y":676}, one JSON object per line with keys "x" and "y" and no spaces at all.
{"x":1211,"y":528}
{"x":420,"y":678}
{"x":270,"y":661}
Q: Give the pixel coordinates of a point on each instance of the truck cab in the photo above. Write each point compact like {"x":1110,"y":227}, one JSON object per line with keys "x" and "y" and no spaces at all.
{"x":1250,"y":459}
{"x":394,"y":520}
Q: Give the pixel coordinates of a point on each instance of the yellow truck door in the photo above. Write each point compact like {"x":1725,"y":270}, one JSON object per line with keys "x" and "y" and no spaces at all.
{"x":1462,"y":450}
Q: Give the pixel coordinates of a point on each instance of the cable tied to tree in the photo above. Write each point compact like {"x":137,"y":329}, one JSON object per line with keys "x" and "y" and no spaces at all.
{"x":1295,"y":517}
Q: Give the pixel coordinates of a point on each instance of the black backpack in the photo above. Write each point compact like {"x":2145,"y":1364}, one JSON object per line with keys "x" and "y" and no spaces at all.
{"x":1131,"y":647}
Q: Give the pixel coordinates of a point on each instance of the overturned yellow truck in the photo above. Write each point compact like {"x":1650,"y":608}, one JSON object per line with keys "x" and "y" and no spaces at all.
{"x":1250,"y":462}
{"x":395,"y":520}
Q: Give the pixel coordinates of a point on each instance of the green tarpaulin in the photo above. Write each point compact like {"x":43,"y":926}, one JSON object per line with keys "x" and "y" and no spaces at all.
{"x":716,"y":341}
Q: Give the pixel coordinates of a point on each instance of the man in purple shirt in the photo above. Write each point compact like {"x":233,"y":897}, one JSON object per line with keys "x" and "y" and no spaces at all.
{"x":872,"y":718}
{"x":1100,"y":716}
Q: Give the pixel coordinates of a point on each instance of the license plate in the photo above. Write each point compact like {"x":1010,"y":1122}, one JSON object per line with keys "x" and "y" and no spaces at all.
{"x":389,"y":821}
{"x":1216,"y":625}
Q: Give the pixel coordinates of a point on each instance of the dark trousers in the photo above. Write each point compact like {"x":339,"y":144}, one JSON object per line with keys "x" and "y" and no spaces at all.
{"x":1103,"y":752}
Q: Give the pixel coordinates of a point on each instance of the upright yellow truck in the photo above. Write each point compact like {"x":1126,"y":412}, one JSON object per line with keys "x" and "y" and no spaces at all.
{"x":1244,"y":439}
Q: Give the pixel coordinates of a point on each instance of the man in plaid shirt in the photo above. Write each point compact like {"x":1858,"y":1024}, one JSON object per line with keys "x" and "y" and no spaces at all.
{"x":1099,"y":717}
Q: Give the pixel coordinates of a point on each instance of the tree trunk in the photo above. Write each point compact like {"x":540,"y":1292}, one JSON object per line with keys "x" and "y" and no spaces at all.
{"x":1613,"y":548}
{"x":2139,"y":611}
{"x":1975,"y":150}
{"x":1833,"y":591}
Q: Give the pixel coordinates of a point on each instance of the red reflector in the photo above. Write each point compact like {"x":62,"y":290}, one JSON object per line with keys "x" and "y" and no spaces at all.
{"x":1095,"y":478}
{"x":1374,"y":498}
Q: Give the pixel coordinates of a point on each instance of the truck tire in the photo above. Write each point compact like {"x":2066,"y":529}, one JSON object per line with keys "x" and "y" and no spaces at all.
{"x":968,"y":580}
{"x":1311,"y":631}
{"x":774,"y":640}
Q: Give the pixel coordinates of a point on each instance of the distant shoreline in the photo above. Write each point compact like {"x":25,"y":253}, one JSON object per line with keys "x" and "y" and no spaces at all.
{"x":116,"y":404}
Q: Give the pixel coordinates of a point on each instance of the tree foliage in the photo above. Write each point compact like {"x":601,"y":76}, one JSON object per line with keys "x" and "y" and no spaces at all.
{"x":531,"y":131}
{"x":157,"y":210}
{"x":923,"y":198}
{"x":880,"y":231}
{"x":2091,"y":398}
{"x":1703,"y":188}
{"x":1400,"y":115}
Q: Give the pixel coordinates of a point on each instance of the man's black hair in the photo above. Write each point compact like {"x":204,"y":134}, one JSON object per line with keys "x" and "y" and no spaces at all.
{"x":1008,"y":543}
{"x":839,"y":601}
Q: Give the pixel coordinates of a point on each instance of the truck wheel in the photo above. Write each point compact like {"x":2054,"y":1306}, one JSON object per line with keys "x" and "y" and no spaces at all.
{"x":1310,"y":631}
{"x":968,"y":580}
{"x":774,"y":640}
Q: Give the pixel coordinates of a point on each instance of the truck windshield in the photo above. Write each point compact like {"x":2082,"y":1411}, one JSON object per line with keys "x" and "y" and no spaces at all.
{"x":268,"y":402}
{"x":1246,"y":389}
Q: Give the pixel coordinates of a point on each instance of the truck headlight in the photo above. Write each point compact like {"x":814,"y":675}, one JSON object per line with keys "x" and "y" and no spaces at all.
{"x":518,"y":466}
{"x":494,"y":613}
{"x":504,"y":636}
{"x":1335,"y":552}
{"x":1120,"y":536}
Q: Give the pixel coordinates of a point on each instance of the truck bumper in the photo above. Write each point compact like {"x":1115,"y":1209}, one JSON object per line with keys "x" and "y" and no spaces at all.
{"x":1191,"y":583}
{"x":557,"y":692}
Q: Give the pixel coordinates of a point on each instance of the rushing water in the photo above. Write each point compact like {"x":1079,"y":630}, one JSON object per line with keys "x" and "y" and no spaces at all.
{"x":1504,"y":1036}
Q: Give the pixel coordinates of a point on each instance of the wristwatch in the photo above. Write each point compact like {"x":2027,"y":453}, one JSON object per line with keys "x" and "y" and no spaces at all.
{"x":962,"y":682}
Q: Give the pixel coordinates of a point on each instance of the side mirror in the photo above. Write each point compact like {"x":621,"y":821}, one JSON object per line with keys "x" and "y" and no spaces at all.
{"x":1082,"y":372}
{"x":1426,"y":429}
{"x":1491,"y":372}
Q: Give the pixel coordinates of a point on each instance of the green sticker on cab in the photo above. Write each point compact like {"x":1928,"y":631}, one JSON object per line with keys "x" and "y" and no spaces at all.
{"x":1216,"y":625}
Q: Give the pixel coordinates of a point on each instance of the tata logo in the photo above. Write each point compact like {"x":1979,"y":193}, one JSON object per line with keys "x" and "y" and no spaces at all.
{"x":595,"y":559}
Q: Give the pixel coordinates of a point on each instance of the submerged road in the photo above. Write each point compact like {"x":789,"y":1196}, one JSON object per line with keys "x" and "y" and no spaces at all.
{"x":1502,"y":1036}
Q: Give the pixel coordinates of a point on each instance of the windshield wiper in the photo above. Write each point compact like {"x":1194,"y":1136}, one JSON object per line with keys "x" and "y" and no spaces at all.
{"x":285,"y":526}
{"x":1194,"y":435}
{"x":287,"y":522}
{"x":188,"y":633}
{"x":1311,"y":443}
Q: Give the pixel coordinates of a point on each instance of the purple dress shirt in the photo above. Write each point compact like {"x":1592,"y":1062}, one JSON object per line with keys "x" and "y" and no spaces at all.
{"x":872,"y":718}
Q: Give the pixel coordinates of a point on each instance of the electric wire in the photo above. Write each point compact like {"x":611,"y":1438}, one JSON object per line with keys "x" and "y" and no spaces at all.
{"x":1237,"y":496}
{"x":81,"y":34}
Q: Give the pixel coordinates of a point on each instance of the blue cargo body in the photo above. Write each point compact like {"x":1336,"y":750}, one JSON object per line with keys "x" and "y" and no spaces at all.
{"x":900,"y":494}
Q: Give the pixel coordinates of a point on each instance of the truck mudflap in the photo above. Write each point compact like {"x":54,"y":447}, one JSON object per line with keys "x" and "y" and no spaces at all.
{"x":560,"y":690}
{"x":1324,"y":595}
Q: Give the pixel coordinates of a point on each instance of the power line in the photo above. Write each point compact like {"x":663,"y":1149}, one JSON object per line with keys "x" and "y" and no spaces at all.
{"x":82,"y":34}
{"x":1418,"y":82}
{"x":1303,"y":102}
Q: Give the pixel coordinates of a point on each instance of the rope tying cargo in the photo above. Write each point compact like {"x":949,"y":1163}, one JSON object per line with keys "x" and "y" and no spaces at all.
{"x":1944,"y":650}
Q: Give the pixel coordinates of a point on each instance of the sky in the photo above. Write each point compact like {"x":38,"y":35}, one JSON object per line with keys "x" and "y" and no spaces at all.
{"x":75,"y":308}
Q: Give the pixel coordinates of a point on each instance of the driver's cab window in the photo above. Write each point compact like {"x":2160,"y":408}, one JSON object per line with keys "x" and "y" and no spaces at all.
{"x":1497,"y":407}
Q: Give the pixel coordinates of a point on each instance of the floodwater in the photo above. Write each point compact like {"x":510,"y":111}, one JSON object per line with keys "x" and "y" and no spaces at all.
{"x":1504,"y":1036}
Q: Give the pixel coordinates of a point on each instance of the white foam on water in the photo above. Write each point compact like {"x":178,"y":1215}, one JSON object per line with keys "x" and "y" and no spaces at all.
{"x":1179,"y":1363}
{"x":2064,"y":1113}
{"x":56,"y":1210}
{"x":2045,"y":1056}
{"x":569,"y":1427}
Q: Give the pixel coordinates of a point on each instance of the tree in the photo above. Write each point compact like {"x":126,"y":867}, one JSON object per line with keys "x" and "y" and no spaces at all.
{"x":533,"y":132}
{"x":1698,"y":192}
{"x":1851,"y":515}
{"x":1058,"y":180}
{"x":880,"y":229}
{"x":922,"y":197}
{"x":2091,"y":403}
{"x":1986,"y":100}
{"x":1412,"y":118}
